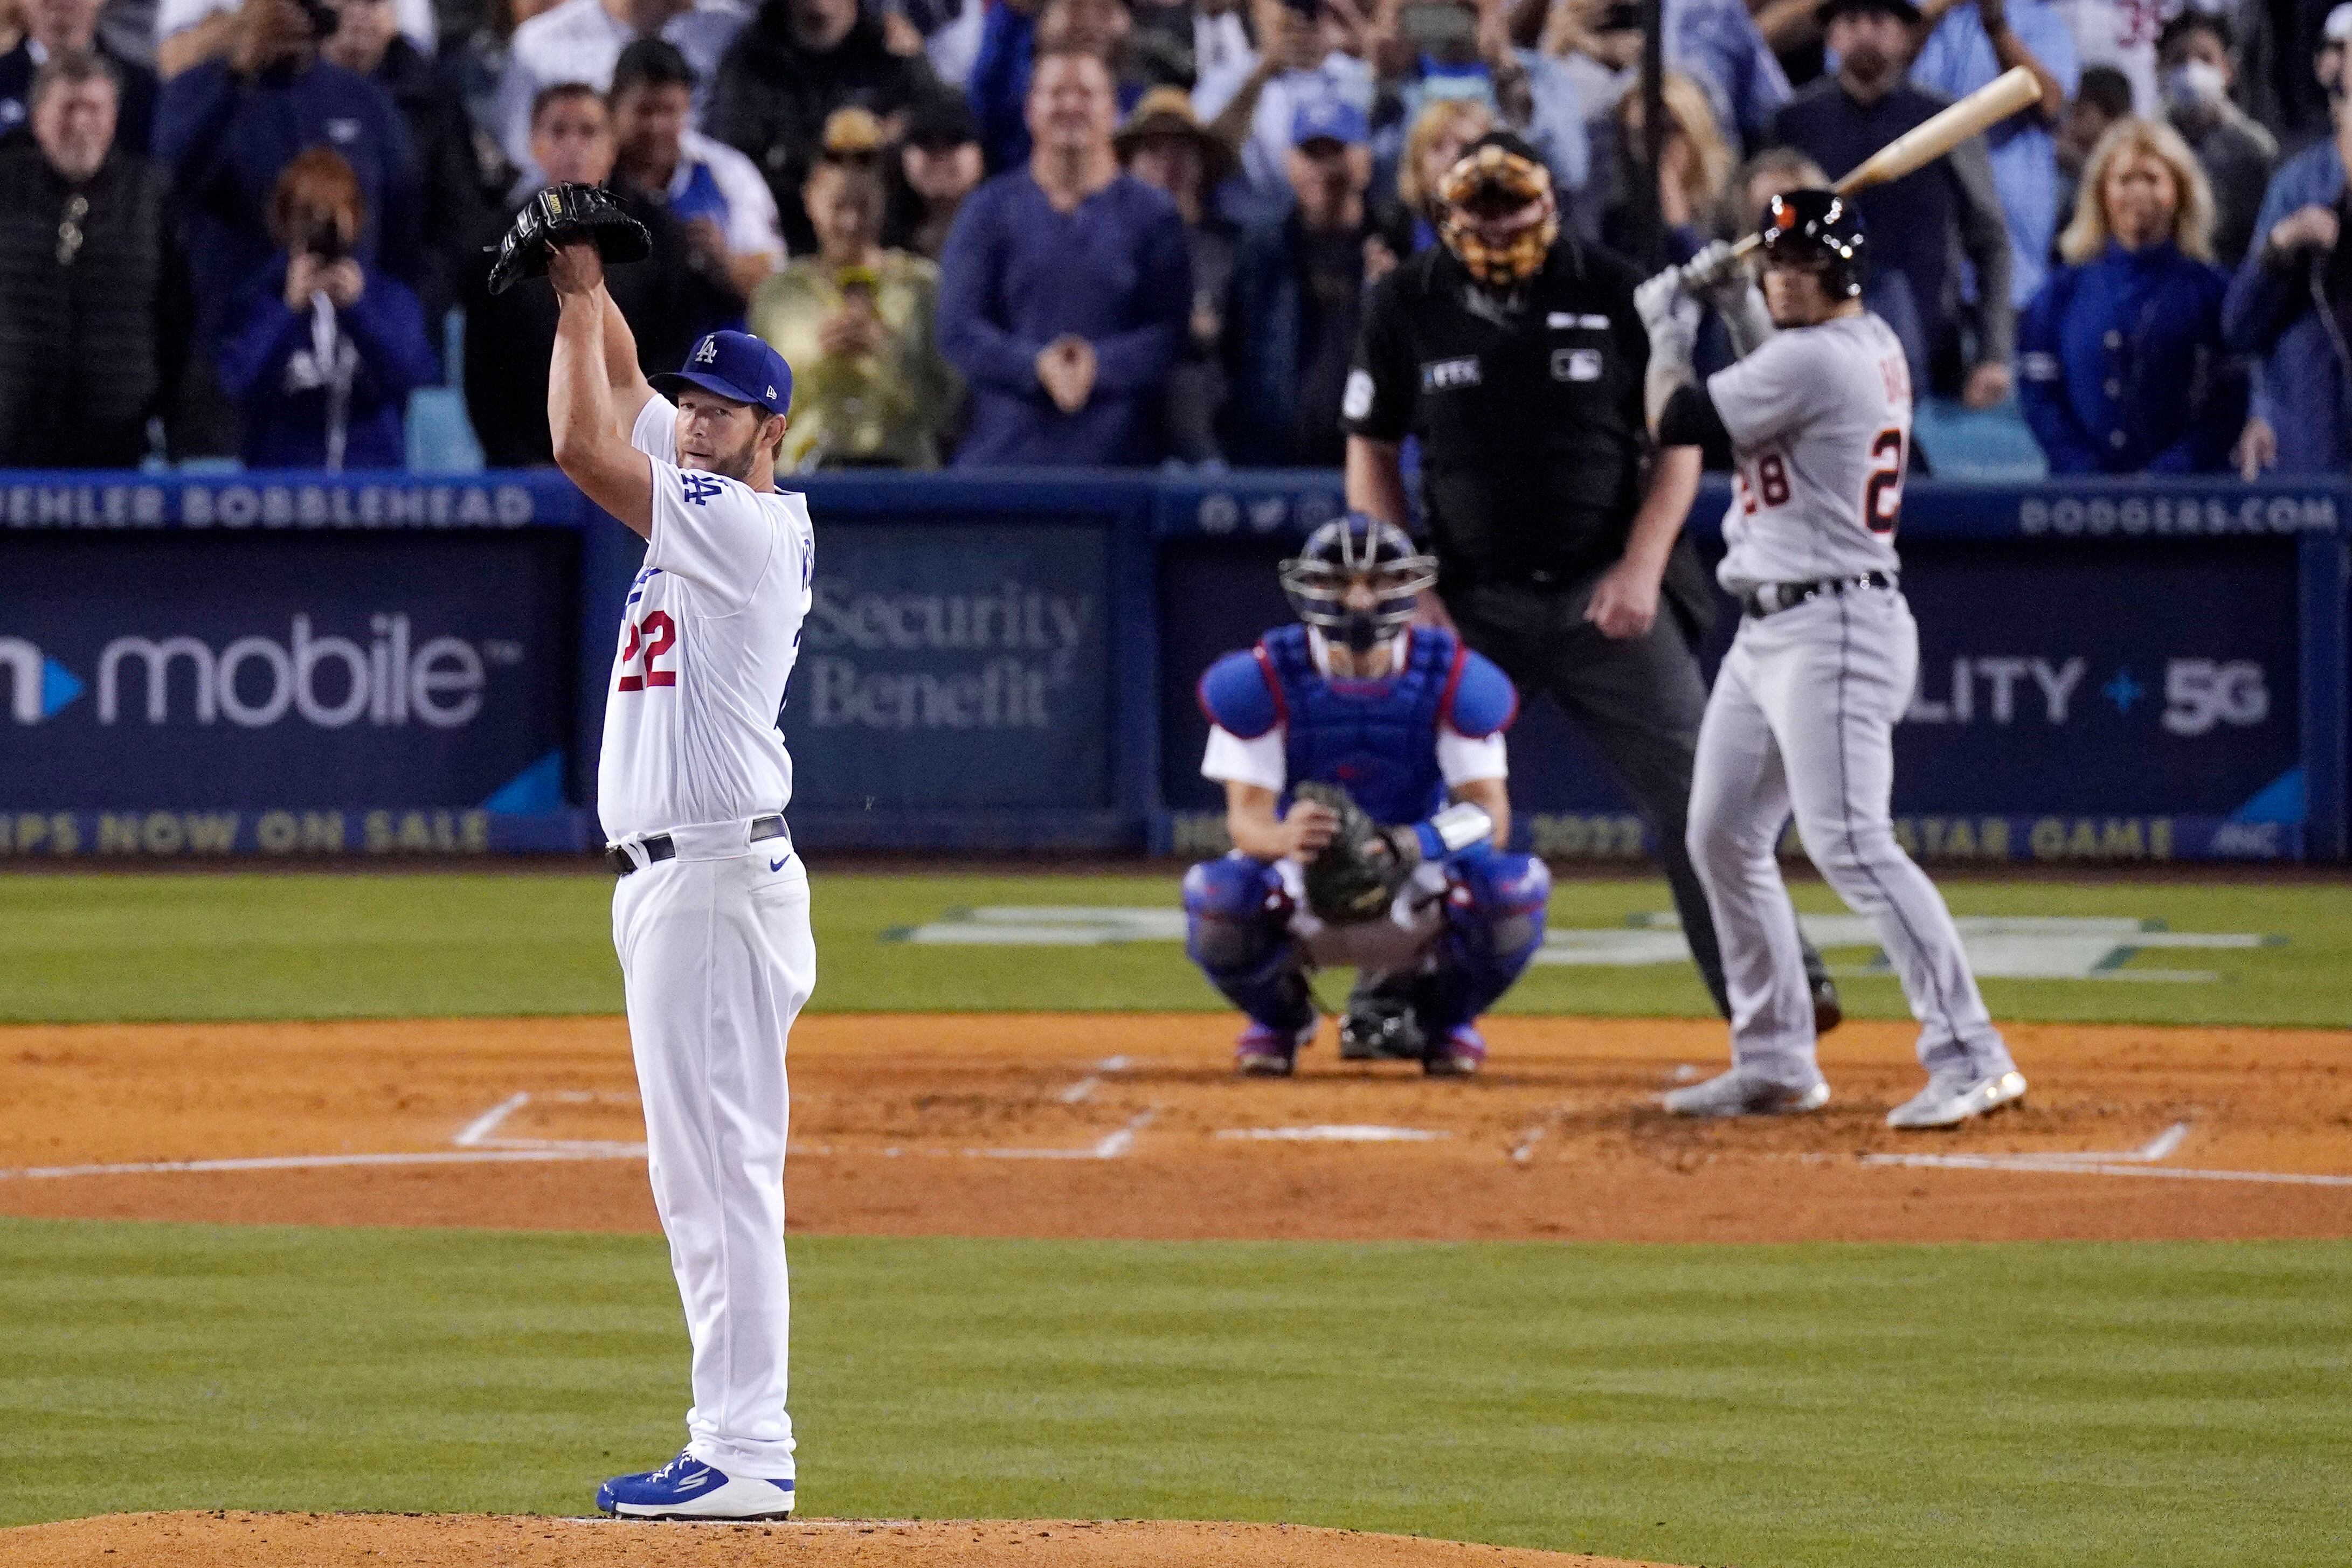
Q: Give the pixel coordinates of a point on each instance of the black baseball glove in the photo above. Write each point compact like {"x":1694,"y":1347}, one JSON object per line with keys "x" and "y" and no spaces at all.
{"x":1357,"y":875}
{"x":563,"y":212}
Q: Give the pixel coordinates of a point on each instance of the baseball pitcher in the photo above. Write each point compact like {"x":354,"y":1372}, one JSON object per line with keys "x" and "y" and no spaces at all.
{"x":711,"y":916}
{"x":1363,"y":765}
{"x":1818,"y":412}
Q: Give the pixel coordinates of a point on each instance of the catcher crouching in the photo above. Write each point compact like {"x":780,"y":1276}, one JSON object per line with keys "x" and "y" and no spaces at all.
{"x":1363,"y":764}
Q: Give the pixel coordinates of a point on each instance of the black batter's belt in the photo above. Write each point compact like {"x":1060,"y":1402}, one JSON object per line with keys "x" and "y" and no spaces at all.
{"x":1771,"y":598}
{"x":661,"y":846}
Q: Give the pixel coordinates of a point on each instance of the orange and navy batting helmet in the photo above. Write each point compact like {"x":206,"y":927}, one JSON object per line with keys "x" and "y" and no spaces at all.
{"x":1817,"y":229}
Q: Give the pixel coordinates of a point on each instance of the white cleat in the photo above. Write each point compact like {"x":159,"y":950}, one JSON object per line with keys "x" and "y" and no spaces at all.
{"x":1738,"y":1093}
{"x":1947,"y":1102}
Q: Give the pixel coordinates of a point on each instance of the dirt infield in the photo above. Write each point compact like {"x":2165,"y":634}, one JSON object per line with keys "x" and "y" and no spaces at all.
{"x":1132,"y":1126}
{"x":470,"y":1541}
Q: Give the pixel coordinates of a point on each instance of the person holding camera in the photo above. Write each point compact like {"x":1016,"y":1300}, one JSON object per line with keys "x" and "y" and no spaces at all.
{"x":858,"y":320}
{"x":229,"y":128}
{"x":320,"y":350}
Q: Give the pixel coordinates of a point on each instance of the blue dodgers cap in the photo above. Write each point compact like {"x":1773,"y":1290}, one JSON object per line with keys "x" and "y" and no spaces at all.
{"x":735,"y":365}
{"x":1327,"y":119}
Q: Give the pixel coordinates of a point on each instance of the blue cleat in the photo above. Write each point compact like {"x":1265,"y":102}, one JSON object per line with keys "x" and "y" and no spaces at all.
{"x":686,"y":1488}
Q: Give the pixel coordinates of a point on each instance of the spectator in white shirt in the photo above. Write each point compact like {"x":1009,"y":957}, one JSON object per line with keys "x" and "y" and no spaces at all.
{"x":190,"y":32}
{"x":716,"y":194}
{"x":582,"y":40}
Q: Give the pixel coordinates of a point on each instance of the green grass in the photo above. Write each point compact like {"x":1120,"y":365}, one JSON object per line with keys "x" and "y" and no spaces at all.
{"x":2074,"y":1405}
{"x":259,"y":946}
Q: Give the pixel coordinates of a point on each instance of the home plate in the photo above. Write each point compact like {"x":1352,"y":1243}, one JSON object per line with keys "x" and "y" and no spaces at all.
{"x":1337,"y":1134}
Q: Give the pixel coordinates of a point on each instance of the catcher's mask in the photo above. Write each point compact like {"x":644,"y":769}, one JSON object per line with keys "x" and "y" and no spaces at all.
{"x":1374,"y":564}
{"x":1500,"y":218}
{"x":1816,"y":229}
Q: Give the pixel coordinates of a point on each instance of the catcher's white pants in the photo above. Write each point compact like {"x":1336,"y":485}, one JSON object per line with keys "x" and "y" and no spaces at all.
{"x":1396,"y":942}
{"x":717,"y":959}
{"x":1802,"y":716}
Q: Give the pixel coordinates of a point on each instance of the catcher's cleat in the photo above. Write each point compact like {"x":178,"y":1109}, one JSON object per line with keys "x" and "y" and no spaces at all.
{"x":1460,"y":1054}
{"x":1263,"y":1051}
{"x":1380,"y":1028}
{"x":1828,"y":1011}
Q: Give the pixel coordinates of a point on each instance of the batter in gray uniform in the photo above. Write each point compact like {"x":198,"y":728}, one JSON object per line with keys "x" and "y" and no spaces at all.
{"x":1818,"y":411}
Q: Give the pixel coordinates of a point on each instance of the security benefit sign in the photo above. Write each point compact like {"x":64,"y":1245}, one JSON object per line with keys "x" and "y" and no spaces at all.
{"x":2103,"y":701}
{"x":953,"y":665}
{"x":171,"y":692}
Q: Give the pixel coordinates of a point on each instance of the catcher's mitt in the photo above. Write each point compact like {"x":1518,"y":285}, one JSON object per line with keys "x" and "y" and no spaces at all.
{"x":1357,"y":875}
{"x":562,"y":212}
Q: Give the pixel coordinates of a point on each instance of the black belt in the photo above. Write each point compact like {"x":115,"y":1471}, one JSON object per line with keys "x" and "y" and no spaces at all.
{"x":662,"y":847}
{"x":1789,"y":595}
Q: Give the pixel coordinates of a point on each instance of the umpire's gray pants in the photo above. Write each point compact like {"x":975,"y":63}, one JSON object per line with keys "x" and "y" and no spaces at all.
{"x":1638,"y":701}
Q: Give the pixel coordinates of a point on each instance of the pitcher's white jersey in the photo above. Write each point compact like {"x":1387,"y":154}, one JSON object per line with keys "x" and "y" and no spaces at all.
{"x":706,"y":643}
{"x":1821,"y":423}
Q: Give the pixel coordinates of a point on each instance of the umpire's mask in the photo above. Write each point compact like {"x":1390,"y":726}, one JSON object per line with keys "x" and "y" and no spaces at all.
{"x":1357,"y":580}
{"x":1500,"y":217}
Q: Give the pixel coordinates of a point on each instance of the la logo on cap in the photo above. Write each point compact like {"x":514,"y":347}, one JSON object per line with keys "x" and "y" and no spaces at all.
{"x":708,"y":352}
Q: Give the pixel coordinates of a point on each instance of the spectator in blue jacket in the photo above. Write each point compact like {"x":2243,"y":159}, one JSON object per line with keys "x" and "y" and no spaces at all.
{"x":228,"y":129}
{"x":320,"y":350}
{"x":1298,"y":300}
{"x":2123,"y":367}
{"x":1065,"y":290}
{"x":2301,"y":418}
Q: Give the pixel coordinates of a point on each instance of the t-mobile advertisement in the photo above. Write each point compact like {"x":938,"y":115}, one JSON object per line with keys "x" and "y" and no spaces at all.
{"x":2074,"y":701}
{"x":165,"y":677}
{"x":945,"y":666}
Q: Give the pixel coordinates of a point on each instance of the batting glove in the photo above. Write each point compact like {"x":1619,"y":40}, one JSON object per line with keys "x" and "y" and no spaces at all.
{"x":1670,"y":315}
{"x":1715,"y":274}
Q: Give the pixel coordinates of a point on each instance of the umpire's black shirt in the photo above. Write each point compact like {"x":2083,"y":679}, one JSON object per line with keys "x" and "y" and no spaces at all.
{"x":1529,"y":408}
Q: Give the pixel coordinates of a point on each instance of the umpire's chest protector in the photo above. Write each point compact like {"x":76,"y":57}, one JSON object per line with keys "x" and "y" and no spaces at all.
{"x":1377,"y":739}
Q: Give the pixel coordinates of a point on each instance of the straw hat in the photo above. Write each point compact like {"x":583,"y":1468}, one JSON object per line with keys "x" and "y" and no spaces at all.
{"x":1167,"y":111}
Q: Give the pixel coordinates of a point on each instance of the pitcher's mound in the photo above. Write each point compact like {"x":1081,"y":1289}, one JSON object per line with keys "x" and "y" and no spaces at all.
{"x":470,"y":1540}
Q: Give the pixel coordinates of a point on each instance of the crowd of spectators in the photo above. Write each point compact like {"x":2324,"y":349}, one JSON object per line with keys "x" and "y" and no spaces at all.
{"x":1126,"y":232}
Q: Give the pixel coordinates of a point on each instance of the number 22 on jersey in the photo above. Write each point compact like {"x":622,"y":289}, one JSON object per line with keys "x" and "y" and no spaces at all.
{"x":649,"y":638}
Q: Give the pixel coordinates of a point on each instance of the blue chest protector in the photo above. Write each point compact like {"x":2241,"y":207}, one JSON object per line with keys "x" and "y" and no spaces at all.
{"x":1377,"y":739}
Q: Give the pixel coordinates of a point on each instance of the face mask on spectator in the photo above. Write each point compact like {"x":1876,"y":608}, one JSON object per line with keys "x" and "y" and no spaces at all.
{"x":2195,"y":85}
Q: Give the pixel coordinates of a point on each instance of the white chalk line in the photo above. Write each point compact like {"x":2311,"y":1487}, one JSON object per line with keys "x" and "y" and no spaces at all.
{"x":1110,"y":1146}
{"x":1079,"y":1092}
{"x":489,"y":1121}
{"x":328,"y":1162}
{"x":2160,"y":1147}
{"x":2058,"y":1168}
{"x":2139,"y":1161}
{"x":1335,"y":1133}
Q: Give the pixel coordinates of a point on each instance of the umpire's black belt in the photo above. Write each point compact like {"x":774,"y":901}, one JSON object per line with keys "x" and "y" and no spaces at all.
{"x":661,"y":846}
{"x":1771,"y":597}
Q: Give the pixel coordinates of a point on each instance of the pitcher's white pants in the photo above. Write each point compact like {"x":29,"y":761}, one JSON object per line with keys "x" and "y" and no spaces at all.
{"x":1803,"y":715}
{"x":717,"y":959}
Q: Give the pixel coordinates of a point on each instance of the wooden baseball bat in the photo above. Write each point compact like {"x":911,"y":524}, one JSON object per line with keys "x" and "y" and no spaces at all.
{"x":2013,"y":90}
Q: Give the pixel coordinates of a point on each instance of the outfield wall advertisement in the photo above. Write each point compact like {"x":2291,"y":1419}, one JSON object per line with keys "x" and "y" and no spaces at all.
{"x":168,"y":692}
{"x":954,"y":665}
{"x":307,"y":663}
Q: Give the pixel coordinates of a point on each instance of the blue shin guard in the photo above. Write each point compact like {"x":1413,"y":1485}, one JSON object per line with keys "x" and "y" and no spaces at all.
{"x":1237,"y":929}
{"x":1494,"y":923}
